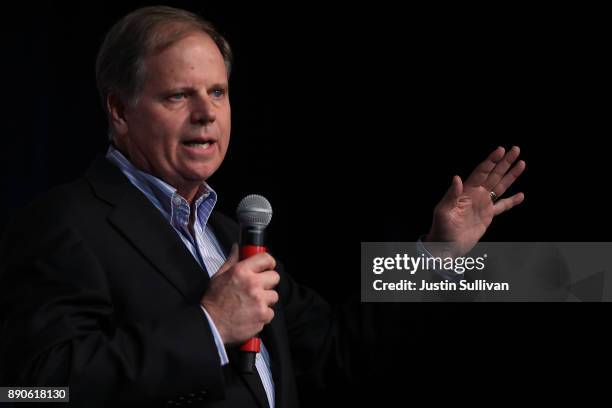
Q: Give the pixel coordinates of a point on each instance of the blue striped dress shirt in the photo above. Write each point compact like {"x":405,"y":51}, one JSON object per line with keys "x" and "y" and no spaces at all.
{"x":203,"y":244}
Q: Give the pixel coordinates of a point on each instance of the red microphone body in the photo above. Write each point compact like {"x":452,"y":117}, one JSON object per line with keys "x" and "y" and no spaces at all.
{"x":254,"y":214}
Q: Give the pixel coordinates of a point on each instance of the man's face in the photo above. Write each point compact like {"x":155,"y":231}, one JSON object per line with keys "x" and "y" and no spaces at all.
{"x":179,"y":129}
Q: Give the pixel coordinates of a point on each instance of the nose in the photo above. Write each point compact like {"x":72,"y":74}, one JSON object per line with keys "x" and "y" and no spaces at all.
{"x":202,"y":110}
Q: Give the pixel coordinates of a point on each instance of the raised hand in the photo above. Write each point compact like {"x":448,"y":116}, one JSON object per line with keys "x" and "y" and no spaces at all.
{"x":467,"y":209}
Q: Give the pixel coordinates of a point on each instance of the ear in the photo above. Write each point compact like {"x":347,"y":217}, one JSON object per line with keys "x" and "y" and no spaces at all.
{"x":116,"y":109}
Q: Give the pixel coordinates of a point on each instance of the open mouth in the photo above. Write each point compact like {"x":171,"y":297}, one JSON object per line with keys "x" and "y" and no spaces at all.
{"x":199,"y":143}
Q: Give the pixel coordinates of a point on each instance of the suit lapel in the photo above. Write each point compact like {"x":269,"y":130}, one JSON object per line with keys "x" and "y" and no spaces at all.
{"x":225,"y":230}
{"x":142,"y":224}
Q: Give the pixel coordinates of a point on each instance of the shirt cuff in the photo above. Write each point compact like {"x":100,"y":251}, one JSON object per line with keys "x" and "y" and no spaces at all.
{"x":218,"y":339}
{"x":444,"y":274}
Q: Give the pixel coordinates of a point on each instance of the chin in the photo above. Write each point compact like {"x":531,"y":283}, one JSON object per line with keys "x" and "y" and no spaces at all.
{"x":200,"y":175}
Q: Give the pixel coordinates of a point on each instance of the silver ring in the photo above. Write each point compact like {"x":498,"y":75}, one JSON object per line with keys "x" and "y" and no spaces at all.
{"x":493,"y":196}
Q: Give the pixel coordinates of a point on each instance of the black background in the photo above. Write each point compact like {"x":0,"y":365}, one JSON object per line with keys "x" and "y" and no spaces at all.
{"x":352,"y":121}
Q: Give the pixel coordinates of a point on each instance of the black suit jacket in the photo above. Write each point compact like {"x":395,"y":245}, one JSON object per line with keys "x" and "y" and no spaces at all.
{"x":98,"y":292}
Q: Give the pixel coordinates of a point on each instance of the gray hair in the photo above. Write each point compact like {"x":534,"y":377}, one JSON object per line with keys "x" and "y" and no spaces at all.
{"x":143,"y":32}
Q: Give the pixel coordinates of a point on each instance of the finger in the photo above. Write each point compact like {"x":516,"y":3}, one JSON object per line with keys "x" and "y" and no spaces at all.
{"x":509,"y":178}
{"x":507,"y":203}
{"x":501,"y":168}
{"x":270,"y":297}
{"x":259,"y":262}
{"x":454,"y":191}
{"x":269,"y":315}
{"x":480,"y":173}
{"x":269,"y":279}
{"x":231,"y":260}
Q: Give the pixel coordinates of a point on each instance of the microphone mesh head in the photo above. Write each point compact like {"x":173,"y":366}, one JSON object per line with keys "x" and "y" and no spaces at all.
{"x":254,"y":211}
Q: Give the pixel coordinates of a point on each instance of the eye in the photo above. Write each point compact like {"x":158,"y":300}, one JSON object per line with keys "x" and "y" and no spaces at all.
{"x":218,"y":93}
{"x":177,"y":96}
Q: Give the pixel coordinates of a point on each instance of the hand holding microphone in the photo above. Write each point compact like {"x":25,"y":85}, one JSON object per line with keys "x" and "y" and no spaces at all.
{"x":241,"y":294}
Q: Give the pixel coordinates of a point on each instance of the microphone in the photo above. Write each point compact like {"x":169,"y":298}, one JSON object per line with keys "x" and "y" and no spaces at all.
{"x":254,"y":213}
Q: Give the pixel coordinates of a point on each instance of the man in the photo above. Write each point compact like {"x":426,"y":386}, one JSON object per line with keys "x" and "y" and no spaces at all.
{"x":125,"y":284}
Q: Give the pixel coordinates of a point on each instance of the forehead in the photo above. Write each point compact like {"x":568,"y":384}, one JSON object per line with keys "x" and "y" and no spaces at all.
{"x":192,"y":60}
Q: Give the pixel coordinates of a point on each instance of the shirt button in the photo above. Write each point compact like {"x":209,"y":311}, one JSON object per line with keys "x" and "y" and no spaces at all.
{"x":176,"y":200}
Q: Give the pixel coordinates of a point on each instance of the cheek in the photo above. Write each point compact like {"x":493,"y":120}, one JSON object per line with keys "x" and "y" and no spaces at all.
{"x":226,"y":130}
{"x":225,"y":143}
{"x":164,"y":134}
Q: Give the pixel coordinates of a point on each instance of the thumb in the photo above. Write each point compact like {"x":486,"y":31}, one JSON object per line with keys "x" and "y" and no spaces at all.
{"x":231,"y":260}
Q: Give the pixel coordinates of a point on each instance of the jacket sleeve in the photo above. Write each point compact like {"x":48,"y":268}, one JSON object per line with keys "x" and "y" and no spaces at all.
{"x":325,"y":339}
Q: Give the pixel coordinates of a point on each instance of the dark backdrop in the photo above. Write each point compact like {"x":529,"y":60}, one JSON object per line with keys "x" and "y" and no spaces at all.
{"x":352,"y":121}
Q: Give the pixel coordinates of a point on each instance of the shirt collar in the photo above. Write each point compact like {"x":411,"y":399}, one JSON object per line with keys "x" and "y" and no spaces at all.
{"x":165,"y":197}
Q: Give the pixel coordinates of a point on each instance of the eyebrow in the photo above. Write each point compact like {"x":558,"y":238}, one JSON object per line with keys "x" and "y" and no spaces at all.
{"x":189,"y":88}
